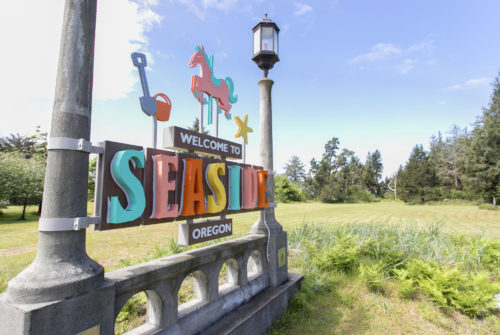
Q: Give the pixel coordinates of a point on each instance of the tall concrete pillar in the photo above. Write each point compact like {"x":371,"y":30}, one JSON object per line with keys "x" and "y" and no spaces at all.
{"x":62,"y":268}
{"x":63,"y":291}
{"x":267,"y":223}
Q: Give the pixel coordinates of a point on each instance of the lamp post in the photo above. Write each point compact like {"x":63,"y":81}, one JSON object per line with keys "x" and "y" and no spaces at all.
{"x":265,"y":55}
{"x":265,"y":44}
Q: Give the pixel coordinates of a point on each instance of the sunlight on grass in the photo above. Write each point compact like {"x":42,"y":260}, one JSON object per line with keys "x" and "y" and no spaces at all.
{"x":350,"y":306}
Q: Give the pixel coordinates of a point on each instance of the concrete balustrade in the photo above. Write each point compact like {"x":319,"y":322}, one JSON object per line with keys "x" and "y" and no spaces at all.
{"x":161,"y":280}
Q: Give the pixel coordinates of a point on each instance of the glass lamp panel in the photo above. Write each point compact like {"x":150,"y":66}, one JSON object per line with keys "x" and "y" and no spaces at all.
{"x":276,"y":44}
{"x":256,"y":41}
{"x":267,"y":38}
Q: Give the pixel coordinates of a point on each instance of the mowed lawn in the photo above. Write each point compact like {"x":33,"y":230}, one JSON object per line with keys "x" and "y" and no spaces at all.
{"x":118,"y":248}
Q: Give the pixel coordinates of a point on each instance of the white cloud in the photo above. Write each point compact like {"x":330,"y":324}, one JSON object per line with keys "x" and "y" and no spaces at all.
{"x":221,"y":55}
{"x":407,"y":65}
{"x":30,"y":61}
{"x":467,"y":84}
{"x":477,"y":81}
{"x":117,"y":36}
{"x":378,"y":52}
{"x":426,"y":46}
{"x":302,"y":9}
{"x":199,"y":8}
{"x":384,"y":51}
{"x":192,"y":6}
{"x":219,"y":4}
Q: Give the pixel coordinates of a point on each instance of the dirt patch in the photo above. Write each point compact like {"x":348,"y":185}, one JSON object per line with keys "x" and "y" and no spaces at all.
{"x":18,"y":250}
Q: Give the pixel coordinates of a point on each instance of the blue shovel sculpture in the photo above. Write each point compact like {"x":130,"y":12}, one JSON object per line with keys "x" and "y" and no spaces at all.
{"x":148,"y":103}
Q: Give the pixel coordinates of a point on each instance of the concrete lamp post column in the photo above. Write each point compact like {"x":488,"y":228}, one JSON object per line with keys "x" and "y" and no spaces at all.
{"x":46,"y":296}
{"x":61,"y":267}
{"x":267,"y":224}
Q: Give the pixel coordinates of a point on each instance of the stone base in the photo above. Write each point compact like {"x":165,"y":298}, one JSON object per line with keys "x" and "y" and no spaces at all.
{"x":257,"y":316}
{"x":90,"y":313}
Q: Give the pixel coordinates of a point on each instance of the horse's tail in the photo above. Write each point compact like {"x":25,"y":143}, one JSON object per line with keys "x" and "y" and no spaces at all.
{"x":232,"y":98}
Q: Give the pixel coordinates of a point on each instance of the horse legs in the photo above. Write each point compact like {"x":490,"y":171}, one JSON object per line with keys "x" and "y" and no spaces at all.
{"x":226,"y":107}
{"x":195,"y":88}
{"x":224,"y":99}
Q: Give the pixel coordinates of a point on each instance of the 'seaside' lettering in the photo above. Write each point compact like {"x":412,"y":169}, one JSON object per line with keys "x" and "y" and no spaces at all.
{"x":130,"y":185}
{"x":193,"y":199}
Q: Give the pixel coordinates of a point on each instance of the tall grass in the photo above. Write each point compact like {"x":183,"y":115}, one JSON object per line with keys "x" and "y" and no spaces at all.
{"x":454,"y":272}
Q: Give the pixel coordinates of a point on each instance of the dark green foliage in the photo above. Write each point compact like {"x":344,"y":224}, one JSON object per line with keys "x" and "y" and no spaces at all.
{"x":341,"y":177}
{"x":372,"y":172}
{"x":318,"y":181}
{"x":418,"y":181}
{"x":483,"y":154}
{"x":462,"y":165}
{"x":285,"y":190}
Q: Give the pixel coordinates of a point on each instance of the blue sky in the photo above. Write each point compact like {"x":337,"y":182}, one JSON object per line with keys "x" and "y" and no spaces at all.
{"x":376,"y":74}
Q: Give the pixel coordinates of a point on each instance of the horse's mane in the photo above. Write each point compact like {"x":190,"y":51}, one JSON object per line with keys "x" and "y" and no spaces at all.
{"x":216,"y":81}
{"x":200,"y":49}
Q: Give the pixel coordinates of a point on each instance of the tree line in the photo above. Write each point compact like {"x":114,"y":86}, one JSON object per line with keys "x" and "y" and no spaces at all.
{"x":339,"y":176}
{"x":460,"y":165}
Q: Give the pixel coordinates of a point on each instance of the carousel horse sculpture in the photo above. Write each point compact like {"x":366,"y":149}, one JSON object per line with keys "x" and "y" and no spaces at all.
{"x":220,"y":89}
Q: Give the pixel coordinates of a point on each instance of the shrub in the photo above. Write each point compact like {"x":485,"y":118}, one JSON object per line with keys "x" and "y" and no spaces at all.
{"x":454,"y":272}
{"x":470,"y":293}
{"x":286,"y":191}
{"x":342,"y":257}
{"x":487,"y":206}
{"x":361,"y":194}
{"x":373,"y":275}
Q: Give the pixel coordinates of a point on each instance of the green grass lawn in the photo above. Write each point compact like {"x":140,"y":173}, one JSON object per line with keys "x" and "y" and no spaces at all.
{"x":350,"y":308}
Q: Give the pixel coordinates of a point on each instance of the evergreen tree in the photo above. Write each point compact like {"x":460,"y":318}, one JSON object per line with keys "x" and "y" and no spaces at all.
{"x":27,"y":146}
{"x":196,"y":126}
{"x":418,"y":181}
{"x":294,"y":170}
{"x":372,"y":172}
{"x":483,"y":156}
{"x":317,"y":183}
{"x":447,"y":156}
{"x":455,"y":150}
{"x":17,"y":143}
{"x":347,"y":179}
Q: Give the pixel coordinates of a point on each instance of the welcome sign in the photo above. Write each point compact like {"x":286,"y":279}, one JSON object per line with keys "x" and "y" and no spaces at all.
{"x":137,"y":186}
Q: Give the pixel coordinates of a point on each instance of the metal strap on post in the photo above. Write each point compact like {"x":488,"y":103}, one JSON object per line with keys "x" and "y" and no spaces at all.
{"x":68,"y":143}
{"x":65,"y":224}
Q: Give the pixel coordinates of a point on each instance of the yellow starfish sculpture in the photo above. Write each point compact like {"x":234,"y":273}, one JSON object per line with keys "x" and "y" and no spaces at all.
{"x":243,"y":129}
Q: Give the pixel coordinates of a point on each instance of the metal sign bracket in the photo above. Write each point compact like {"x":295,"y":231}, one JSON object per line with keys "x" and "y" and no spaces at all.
{"x":67,"y":143}
{"x":65,"y":224}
